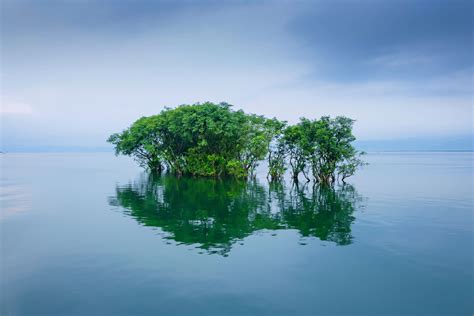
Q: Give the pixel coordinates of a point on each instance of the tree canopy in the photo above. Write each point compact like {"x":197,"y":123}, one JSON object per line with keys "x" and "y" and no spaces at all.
{"x":213,"y":140}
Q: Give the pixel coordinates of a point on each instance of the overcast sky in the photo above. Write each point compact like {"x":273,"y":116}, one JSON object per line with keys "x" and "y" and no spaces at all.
{"x":73,"y":72}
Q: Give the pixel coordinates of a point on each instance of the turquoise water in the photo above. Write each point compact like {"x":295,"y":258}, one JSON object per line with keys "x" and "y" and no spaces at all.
{"x":91,"y":234}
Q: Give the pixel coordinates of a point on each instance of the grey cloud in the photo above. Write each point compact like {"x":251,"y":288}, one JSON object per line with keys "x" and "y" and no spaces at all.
{"x":86,"y":69}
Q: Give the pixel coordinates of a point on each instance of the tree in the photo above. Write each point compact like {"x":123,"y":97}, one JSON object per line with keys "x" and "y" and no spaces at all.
{"x":324,"y":146}
{"x":257,"y":135}
{"x":202,"y":139}
{"x":332,"y":145}
{"x":213,"y":140}
{"x":350,"y":165}
{"x":140,"y":142}
{"x":276,"y":149}
{"x":293,"y":142}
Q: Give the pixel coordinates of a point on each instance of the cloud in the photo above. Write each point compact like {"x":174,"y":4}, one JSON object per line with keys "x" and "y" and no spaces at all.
{"x":15,"y":108}
{"x":402,"y":59}
{"x":87,"y":69}
{"x":383,"y":110}
{"x":342,"y":36}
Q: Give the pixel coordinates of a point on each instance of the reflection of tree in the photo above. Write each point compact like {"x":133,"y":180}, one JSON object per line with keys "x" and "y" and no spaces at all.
{"x":320,"y":211}
{"x":213,"y":214}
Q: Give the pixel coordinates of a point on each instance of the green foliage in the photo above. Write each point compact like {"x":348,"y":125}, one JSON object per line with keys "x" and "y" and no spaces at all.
{"x":293,"y":140}
{"x":140,"y":142}
{"x":202,"y":139}
{"x":324,"y":146}
{"x":213,"y":140}
{"x":236,"y":168}
{"x":350,"y":165}
{"x":276,"y":150}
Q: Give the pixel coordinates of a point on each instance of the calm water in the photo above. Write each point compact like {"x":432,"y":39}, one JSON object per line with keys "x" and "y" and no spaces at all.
{"x":90,"y":234}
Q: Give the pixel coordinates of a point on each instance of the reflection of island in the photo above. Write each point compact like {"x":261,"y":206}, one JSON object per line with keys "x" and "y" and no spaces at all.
{"x":213,"y":214}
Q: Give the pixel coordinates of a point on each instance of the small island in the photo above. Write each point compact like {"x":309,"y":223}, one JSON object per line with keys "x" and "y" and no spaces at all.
{"x":213,"y":140}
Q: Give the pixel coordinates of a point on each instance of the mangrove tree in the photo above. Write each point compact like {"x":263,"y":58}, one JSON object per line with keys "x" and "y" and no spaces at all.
{"x":213,"y":140}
